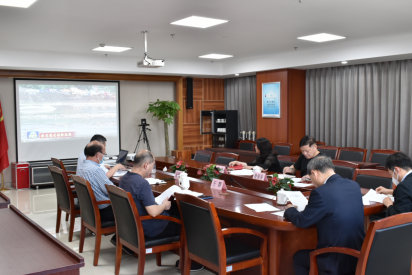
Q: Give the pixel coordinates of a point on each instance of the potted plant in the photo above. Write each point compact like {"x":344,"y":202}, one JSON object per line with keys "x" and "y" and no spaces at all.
{"x":209,"y":172}
{"x":179,"y":166}
{"x":164,"y":110}
{"x":276,"y":184}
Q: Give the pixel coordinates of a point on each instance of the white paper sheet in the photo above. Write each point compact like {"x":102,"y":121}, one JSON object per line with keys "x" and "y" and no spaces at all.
{"x":261,"y":207}
{"x":120,"y":173}
{"x":243,"y":172}
{"x":174,"y":189}
{"x":154,"y":181}
{"x":299,"y":184}
{"x":280,"y":213}
{"x":282,"y":176}
{"x":297,"y":198}
{"x":365,"y":201}
{"x":375,"y":197}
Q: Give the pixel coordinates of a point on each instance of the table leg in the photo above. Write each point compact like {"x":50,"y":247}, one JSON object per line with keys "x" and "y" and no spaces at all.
{"x":274,"y":252}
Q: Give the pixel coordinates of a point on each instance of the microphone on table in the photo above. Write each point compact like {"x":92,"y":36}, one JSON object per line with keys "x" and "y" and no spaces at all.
{"x":231,"y":179}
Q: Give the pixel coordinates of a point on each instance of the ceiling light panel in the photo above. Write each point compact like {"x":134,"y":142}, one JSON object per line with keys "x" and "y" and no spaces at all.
{"x":17,"y":3}
{"x":321,"y":37}
{"x":111,"y":49}
{"x":199,"y":22}
{"x":215,"y":56}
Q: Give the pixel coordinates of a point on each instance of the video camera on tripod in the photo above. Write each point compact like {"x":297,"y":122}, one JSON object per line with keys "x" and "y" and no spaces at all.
{"x":143,"y":136}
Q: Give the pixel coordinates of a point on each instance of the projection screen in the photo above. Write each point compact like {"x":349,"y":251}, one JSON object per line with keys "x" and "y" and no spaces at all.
{"x":57,"y":118}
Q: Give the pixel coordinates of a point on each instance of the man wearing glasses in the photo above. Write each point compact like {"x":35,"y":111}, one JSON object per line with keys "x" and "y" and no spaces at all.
{"x":335,"y":207}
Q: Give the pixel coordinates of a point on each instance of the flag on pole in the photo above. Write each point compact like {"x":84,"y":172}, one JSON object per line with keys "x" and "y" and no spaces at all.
{"x":4,"y":145}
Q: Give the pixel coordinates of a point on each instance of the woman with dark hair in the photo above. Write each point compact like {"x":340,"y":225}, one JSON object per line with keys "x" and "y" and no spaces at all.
{"x":267,"y":158}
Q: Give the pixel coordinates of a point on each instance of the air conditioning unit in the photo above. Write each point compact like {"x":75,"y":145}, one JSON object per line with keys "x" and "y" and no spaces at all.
{"x":148,"y":62}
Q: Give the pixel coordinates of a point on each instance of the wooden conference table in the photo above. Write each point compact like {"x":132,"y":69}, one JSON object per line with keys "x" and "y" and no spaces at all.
{"x":26,"y":248}
{"x":284,"y":239}
{"x":4,"y":201}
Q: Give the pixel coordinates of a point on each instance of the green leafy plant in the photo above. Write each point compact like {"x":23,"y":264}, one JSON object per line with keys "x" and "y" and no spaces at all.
{"x":164,"y":110}
{"x":276,"y":184}
{"x":209,"y":172}
{"x":179,"y":166}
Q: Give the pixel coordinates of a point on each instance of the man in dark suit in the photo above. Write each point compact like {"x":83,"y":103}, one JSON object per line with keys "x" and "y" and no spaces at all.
{"x":399,"y":166}
{"x":335,"y":207}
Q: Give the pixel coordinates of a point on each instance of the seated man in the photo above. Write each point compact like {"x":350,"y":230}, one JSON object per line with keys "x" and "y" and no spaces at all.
{"x":135,"y":183}
{"x":399,"y":166}
{"x":335,"y":207}
{"x":109,"y":171}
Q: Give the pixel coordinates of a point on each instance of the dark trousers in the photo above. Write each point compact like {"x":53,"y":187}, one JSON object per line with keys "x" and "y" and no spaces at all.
{"x":106,"y":214}
{"x":301,"y":262}
{"x":172,"y":228}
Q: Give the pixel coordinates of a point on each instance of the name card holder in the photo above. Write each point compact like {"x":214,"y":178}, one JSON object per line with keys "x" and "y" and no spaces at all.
{"x":222,"y":168}
{"x":260,"y":176}
{"x":177,"y":173}
{"x":219,"y":185}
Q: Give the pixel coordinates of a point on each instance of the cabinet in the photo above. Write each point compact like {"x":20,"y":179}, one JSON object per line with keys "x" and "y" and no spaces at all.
{"x":222,"y":125}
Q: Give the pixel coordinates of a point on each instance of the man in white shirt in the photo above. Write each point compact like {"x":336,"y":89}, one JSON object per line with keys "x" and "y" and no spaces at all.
{"x":109,"y":171}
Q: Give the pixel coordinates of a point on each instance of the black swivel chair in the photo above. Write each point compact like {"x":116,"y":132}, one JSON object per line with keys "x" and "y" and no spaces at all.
{"x":129,"y":230}
{"x":205,"y":242}
{"x":387,"y":248}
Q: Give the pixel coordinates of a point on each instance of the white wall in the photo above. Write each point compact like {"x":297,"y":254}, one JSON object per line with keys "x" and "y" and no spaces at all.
{"x":134,"y":101}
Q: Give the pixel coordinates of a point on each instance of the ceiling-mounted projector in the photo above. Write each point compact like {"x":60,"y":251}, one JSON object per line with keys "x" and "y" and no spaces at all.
{"x":148,"y":62}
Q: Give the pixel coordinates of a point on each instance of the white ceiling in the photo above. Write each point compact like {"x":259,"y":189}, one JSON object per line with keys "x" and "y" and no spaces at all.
{"x":261,"y":34}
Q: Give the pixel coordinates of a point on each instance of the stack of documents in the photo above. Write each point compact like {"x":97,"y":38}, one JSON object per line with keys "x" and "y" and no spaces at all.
{"x":282,"y":176}
{"x":244,"y":172}
{"x":174,"y":189}
{"x":280,"y":213}
{"x":374,"y":197}
{"x":120,"y":173}
{"x":262,"y":207}
{"x":154,"y":181}
{"x":297,"y":198}
{"x":301,"y":184}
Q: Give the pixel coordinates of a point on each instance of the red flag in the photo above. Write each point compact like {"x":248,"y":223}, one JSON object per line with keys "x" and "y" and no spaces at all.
{"x":4,"y":145}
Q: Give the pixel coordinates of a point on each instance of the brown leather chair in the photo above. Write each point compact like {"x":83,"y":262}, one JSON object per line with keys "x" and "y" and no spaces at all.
{"x":345,"y":169}
{"x":129,"y":230}
{"x":330,"y":151}
{"x":204,"y":155}
{"x":58,"y":163}
{"x":282,"y":148}
{"x":91,"y":216}
{"x":380,"y":156}
{"x":225,"y":158}
{"x":206,"y":244}
{"x":352,"y":153}
{"x":248,"y":145}
{"x":386,"y":249}
{"x":65,"y":199}
{"x":321,"y":143}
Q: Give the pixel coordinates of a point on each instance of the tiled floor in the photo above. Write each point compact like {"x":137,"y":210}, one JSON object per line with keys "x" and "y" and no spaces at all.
{"x":40,"y":206}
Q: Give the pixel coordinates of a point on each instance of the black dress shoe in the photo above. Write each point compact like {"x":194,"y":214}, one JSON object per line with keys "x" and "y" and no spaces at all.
{"x":124,"y":248}
{"x":193,"y":266}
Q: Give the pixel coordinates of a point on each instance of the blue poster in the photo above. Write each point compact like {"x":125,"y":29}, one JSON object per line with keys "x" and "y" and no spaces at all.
{"x":271,"y":100}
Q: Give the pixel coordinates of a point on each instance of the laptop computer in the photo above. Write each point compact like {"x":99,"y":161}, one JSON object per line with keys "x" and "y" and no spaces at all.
{"x":122,"y":157}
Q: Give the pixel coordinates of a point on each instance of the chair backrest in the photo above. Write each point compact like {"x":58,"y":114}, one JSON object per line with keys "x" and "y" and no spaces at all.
{"x":225,"y":158}
{"x":128,"y":223}
{"x":352,"y":153}
{"x":202,"y":227}
{"x":58,"y":163}
{"x":61,"y":184}
{"x":282,"y":148}
{"x":330,"y":151}
{"x":320,"y":143}
{"x":373,"y":178}
{"x":387,"y":246}
{"x":286,"y":161}
{"x":380,"y":155}
{"x":345,"y":169}
{"x":89,"y":210}
{"x":248,"y":145}
{"x":203,"y":155}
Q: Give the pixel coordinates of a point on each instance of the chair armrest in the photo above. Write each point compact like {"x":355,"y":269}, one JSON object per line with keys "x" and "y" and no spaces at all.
{"x":71,"y":172}
{"x":104,"y":202}
{"x":235,"y":230}
{"x":313,"y":254}
{"x":161,"y":217}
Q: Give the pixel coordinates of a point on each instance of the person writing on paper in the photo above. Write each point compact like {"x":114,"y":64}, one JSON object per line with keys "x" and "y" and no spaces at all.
{"x":399,"y":166}
{"x":309,"y":151}
{"x":267,"y":158}
{"x":134,"y":182}
{"x":109,"y":171}
{"x":335,"y":207}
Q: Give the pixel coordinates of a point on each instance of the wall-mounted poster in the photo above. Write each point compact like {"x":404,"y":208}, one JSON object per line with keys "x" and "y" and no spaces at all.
{"x":271,"y":100}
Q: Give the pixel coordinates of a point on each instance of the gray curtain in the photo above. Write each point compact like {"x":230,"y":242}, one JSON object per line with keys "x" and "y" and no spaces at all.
{"x":240,"y":94}
{"x":366,"y":106}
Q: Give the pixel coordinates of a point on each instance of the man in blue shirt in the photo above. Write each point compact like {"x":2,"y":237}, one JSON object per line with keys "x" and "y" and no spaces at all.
{"x":335,"y":207}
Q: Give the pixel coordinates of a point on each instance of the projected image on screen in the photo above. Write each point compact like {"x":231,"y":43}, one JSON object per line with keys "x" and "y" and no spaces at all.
{"x":66,"y":111}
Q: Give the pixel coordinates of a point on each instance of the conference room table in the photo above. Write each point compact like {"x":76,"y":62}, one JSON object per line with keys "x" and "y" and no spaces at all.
{"x":26,"y":248}
{"x":4,"y":200}
{"x":284,"y":239}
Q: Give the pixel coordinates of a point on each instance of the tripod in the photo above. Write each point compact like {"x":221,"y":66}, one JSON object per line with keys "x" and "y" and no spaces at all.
{"x":143,"y":137}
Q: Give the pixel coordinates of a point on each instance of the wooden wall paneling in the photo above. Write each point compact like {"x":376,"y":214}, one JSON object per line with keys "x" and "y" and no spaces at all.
{"x":274,"y":129}
{"x":179,"y":116}
{"x":296,"y":107}
{"x":192,"y":115}
{"x":213,"y":105}
{"x":208,"y":140}
{"x":193,"y":149}
{"x":191,"y":135}
{"x":197,"y":89}
{"x":213,"y":89}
